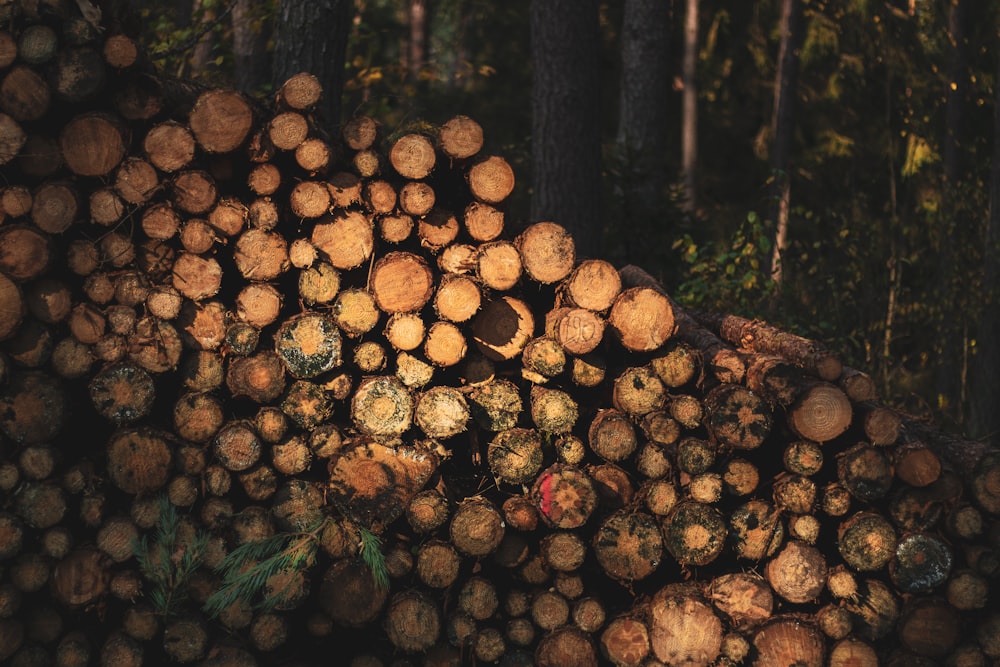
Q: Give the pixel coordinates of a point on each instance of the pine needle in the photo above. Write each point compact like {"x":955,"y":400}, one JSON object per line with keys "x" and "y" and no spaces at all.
{"x":371,"y":554}
{"x":167,"y":563}
{"x":246,"y":569}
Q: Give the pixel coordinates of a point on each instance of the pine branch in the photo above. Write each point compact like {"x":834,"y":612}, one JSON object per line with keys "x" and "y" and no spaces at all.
{"x":167,"y":563}
{"x":374,"y":558}
{"x":247,"y":568}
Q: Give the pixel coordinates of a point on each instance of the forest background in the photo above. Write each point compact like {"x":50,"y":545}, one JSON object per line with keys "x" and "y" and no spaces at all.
{"x":831,"y":167}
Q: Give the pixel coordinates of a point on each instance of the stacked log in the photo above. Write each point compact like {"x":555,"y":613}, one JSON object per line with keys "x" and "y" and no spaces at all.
{"x":228,"y":332}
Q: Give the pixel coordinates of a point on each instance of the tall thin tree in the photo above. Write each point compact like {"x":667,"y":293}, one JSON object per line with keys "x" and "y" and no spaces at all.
{"x":985,"y":396}
{"x":566,"y":130}
{"x":689,"y":105}
{"x":950,"y":364}
{"x":417,"y":47}
{"x":783,"y":127}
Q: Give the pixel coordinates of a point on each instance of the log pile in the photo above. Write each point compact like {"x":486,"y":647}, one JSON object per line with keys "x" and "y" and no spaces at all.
{"x":272,"y":394}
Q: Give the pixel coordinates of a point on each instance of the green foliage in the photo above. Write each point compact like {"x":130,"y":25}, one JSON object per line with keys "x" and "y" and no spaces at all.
{"x":728,"y":277}
{"x":199,"y":45}
{"x":246,"y":569}
{"x":167,"y":560}
{"x":374,"y":557}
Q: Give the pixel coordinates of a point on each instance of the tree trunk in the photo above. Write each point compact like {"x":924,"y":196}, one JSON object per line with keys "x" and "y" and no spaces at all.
{"x":249,"y":45}
{"x":417,"y":52}
{"x":783,"y":126}
{"x":984,"y":417}
{"x":689,"y":105}
{"x":311,"y":36}
{"x":950,"y":367}
{"x":642,"y":134}
{"x":566,"y":133}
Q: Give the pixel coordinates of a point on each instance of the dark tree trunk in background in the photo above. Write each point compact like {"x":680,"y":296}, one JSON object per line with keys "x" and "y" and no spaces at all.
{"x":985,"y":395}
{"x":950,"y":370}
{"x":250,"y":35}
{"x":417,"y":52}
{"x":783,"y":126}
{"x":645,"y":89}
{"x":185,"y":9}
{"x":566,"y":131}
{"x":311,"y":36}
{"x":689,"y":105}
